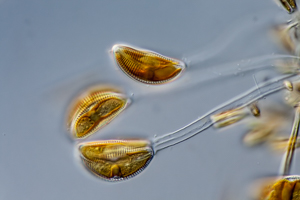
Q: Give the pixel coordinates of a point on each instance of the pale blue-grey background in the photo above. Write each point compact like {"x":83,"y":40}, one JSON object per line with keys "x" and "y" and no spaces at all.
{"x":51,"y":50}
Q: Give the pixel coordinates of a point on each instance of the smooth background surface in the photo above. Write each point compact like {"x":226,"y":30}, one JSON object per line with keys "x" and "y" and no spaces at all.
{"x":51,"y":50}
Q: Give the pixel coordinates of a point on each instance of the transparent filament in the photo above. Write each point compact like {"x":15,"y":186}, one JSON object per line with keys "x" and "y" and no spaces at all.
{"x":288,"y":157}
{"x":202,"y":123}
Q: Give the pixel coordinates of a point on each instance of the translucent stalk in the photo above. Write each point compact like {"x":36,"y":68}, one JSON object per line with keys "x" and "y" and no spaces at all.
{"x":288,"y":156}
{"x":240,"y":27}
{"x":204,"y":122}
{"x":283,"y":63}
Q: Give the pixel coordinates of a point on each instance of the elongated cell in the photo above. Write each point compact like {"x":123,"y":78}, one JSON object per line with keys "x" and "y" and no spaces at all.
{"x":288,"y":157}
{"x":267,"y":127}
{"x":280,"y":144}
{"x":289,"y":5}
{"x":93,"y":109}
{"x":226,"y":118}
{"x":147,"y":66}
{"x":116,"y":160}
{"x":288,"y":36}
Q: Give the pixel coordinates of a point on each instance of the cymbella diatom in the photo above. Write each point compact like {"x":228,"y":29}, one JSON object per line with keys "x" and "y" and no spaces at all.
{"x":147,"y":66}
{"x":115,"y":160}
{"x":93,"y":109}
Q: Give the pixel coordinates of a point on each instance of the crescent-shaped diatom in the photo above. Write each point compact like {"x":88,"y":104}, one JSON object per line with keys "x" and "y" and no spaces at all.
{"x":287,"y":188}
{"x":147,"y":66}
{"x":115,"y":160}
{"x":93,"y":109}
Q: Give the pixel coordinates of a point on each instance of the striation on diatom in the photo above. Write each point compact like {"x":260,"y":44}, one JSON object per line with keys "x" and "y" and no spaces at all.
{"x":147,"y":66}
{"x":116,"y":160}
{"x":93,"y":109}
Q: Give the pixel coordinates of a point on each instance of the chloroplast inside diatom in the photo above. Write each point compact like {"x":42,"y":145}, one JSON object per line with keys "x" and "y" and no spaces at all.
{"x":147,"y":66}
{"x":93,"y":109}
{"x":115,"y":160}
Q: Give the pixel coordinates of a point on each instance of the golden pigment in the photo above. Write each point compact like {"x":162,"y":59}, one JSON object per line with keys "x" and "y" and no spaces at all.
{"x":115,"y":160}
{"x":93,"y":109}
{"x":287,"y":188}
{"x":229,"y":117}
{"x":288,"y":5}
{"x":147,"y":66}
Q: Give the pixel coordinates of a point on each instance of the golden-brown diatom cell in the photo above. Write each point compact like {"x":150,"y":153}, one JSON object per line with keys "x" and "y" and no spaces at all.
{"x":116,"y":160}
{"x":289,"y":5}
{"x":288,"y":85}
{"x":287,"y":188}
{"x":228,"y":117}
{"x":281,"y":143}
{"x":93,"y":109}
{"x":287,"y":35}
{"x":292,"y":98}
{"x":147,"y":66}
{"x":254,"y":110}
{"x":267,"y":127}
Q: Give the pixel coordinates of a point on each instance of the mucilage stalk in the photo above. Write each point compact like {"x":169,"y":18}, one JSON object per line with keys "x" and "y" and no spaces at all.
{"x":204,"y":122}
{"x":116,"y":160}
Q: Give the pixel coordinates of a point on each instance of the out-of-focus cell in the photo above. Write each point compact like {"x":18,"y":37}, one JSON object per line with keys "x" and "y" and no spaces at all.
{"x":288,"y":36}
{"x":229,"y":117}
{"x":288,"y":85}
{"x":280,"y":144}
{"x":287,"y":188}
{"x":288,"y":67}
{"x":93,"y":109}
{"x":254,"y":110}
{"x":147,"y":66}
{"x":265,"y":128}
{"x":116,"y":160}
{"x":292,"y":98}
{"x":276,"y":188}
{"x":258,"y":134}
{"x":288,"y":5}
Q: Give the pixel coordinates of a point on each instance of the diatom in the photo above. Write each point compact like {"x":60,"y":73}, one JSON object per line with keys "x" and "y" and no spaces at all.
{"x":93,"y":109}
{"x":292,"y":98}
{"x":267,"y":127}
{"x":288,"y":85}
{"x":116,"y":160}
{"x":287,"y":35}
{"x":281,"y":143}
{"x":147,"y":66}
{"x":255,"y":111}
{"x":288,"y":5}
{"x":287,"y":188}
{"x":228,"y":117}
